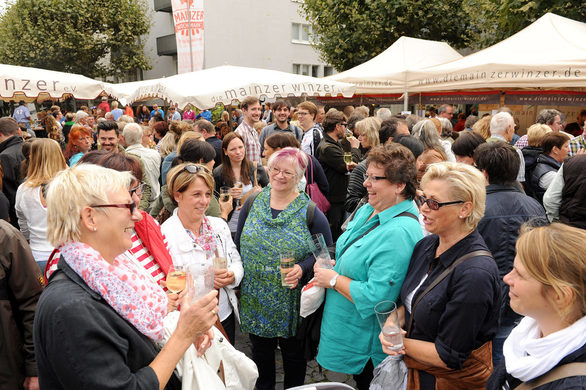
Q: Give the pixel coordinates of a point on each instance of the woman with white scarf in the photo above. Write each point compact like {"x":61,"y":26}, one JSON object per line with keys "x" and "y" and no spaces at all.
{"x":547,"y":286}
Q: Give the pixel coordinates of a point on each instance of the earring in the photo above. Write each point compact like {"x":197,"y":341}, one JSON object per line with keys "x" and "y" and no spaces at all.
{"x":95,"y":229}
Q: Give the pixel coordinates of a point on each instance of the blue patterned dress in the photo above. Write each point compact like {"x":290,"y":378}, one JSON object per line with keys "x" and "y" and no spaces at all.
{"x":268,"y":309}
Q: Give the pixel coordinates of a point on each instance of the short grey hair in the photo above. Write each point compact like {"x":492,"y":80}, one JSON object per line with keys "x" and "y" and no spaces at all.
{"x":132,"y":133}
{"x":547,"y":116}
{"x":80,"y":115}
{"x":443,"y":108}
{"x":75,"y":188}
{"x":384,"y":113}
{"x":500,"y":122}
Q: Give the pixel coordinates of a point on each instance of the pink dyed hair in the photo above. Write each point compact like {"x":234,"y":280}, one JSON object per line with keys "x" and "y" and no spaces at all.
{"x":293,"y":155}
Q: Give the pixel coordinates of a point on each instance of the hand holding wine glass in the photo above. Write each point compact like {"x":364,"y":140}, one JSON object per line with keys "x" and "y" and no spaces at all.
{"x":236,"y":191}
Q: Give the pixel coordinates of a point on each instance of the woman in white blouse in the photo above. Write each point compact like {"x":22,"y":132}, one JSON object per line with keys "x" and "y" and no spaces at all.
{"x":46,"y":160}
{"x":194,"y":237}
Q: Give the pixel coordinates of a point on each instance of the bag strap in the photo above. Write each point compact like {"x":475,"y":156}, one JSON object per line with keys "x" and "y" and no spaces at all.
{"x":309,"y":215}
{"x":359,"y":237}
{"x":441,"y":277}
{"x":311,"y":167}
{"x":563,"y":371}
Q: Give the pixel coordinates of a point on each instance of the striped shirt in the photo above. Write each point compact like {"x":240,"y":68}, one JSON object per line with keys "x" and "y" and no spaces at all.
{"x":251,"y":141}
{"x":145,"y":259}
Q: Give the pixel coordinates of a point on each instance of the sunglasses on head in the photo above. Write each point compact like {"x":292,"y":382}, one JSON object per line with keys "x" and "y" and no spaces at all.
{"x":434,"y":204}
{"x":192,"y":168}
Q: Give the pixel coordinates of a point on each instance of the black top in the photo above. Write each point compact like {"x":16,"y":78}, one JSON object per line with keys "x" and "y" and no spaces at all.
{"x":461,"y":313}
{"x":330,"y":155}
{"x":217,"y":144}
{"x":82,"y":343}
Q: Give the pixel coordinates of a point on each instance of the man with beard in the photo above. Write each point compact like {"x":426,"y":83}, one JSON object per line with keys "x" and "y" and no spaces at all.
{"x":108,"y":136}
{"x":281,"y":110}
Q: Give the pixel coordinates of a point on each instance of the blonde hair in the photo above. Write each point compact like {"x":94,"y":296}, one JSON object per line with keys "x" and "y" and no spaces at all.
{"x":73,"y":189}
{"x":46,"y":160}
{"x":189,"y":135}
{"x":536,"y":133}
{"x":179,"y":179}
{"x":554,"y":256}
{"x":369,"y":128}
{"x":170,"y":140}
{"x":465,"y":183}
{"x":482,"y":126}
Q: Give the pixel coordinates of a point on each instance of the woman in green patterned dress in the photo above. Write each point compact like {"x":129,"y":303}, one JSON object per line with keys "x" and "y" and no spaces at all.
{"x":278,"y":220}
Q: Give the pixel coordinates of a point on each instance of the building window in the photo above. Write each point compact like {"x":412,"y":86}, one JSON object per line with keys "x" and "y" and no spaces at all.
{"x":301,"y":33}
{"x":328,"y":71}
{"x":306,"y":69}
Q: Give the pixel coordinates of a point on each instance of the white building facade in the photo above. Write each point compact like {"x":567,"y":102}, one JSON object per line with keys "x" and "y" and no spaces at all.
{"x":270,"y":35}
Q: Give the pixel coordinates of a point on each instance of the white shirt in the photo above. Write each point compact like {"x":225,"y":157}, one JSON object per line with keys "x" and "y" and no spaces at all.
{"x":32,"y":218}
{"x":151,"y":160}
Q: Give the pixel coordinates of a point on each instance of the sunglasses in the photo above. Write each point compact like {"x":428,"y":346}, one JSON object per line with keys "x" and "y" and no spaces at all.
{"x":138,"y":190}
{"x":192,"y":168}
{"x":130,"y":206}
{"x":434,"y":204}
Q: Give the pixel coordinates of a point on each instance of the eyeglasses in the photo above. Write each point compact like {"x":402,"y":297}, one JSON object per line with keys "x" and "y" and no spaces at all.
{"x":192,"y":168}
{"x":130,"y":206}
{"x":343,"y":124}
{"x":373,"y":179}
{"x":138,"y":190}
{"x":301,"y":113}
{"x":287,"y":174}
{"x":434,"y":204}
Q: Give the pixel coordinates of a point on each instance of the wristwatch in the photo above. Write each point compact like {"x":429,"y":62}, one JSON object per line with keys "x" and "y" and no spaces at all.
{"x":333,"y":281}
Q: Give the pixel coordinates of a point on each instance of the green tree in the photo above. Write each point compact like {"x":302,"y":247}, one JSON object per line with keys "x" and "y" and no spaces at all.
{"x":97,"y":38}
{"x":495,"y":20}
{"x":350,"y":32}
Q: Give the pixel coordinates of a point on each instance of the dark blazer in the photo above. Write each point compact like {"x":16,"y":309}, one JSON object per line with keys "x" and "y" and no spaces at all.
{"x":330,"y":155}
{"x":10,"y":158}
{"x":82,"y":343}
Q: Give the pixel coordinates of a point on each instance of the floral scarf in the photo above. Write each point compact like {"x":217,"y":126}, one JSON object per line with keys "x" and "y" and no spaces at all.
{"x":206,"y":238}
{"x":125,"y":288}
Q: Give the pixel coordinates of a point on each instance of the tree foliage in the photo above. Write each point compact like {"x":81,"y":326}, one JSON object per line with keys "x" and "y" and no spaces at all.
{"x":350,"y":32}
{"x":97,"y":38}
{"x":495,"y":20}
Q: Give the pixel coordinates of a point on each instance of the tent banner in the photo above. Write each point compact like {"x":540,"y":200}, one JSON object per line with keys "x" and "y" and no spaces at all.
{"x":363,"y":100}
{"x":545,"y":98}
{"x":464,"y":97}
{"x":189,"y":29}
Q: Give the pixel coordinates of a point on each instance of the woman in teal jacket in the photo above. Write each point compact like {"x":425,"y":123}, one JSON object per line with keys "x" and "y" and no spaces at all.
{"x":372,"y":258}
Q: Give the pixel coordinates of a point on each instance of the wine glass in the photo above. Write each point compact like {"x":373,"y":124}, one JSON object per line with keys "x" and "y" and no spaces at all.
{"x":347,"y":159}
{"x":238,"y":184}
{"x":176,"y":279}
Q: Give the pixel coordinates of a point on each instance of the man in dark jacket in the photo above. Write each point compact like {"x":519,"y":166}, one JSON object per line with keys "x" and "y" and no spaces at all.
{"x":208,"y":131}
{"x":10,"y":158}
{"x":507,"y":208}
{"x":21,"y":284}
{"x":330,"y":154}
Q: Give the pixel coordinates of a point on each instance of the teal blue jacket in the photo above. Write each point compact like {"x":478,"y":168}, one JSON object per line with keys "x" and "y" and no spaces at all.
{"x":377,"y":264}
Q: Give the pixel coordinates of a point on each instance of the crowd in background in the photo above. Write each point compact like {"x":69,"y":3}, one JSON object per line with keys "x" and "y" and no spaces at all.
{"x":476,"y":233}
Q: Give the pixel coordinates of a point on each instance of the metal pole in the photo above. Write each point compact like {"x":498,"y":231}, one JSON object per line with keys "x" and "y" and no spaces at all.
{"x":406,"y":101}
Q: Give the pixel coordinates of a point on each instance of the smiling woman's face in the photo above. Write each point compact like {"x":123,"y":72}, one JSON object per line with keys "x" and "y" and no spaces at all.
{"x":194,"y":201}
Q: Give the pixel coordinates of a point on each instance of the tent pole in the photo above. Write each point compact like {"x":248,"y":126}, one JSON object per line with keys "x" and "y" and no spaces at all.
{"x":406,"y":101}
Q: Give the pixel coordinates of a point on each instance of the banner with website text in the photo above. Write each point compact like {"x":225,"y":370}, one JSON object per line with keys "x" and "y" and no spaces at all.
{"x":189,"y":33}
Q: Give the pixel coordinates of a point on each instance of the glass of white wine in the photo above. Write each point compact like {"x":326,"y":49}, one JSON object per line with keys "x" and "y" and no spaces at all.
{"x":224,"y":194}
{"x":347,"y":159}
{"x":176,"y":279}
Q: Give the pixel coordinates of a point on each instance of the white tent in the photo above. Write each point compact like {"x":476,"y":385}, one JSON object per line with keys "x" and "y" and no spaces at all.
{"x":550,"y":53}
{"x":389,"y":71}
{"x":20,"y":82}
{"x":224,"y":84}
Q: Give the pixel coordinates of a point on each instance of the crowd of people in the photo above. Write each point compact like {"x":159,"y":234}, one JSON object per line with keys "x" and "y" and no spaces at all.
{"x":476,"y":235}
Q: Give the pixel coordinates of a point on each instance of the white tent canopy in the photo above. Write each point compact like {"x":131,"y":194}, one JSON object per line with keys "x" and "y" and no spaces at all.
{"x":21,"y":82}
{"x":550,"y":53}
{"x":388,"y":72}
{"x":224,"y":84}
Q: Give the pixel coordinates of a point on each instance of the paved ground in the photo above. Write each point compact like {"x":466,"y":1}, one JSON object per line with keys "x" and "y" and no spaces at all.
{"x":313,"y":373}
